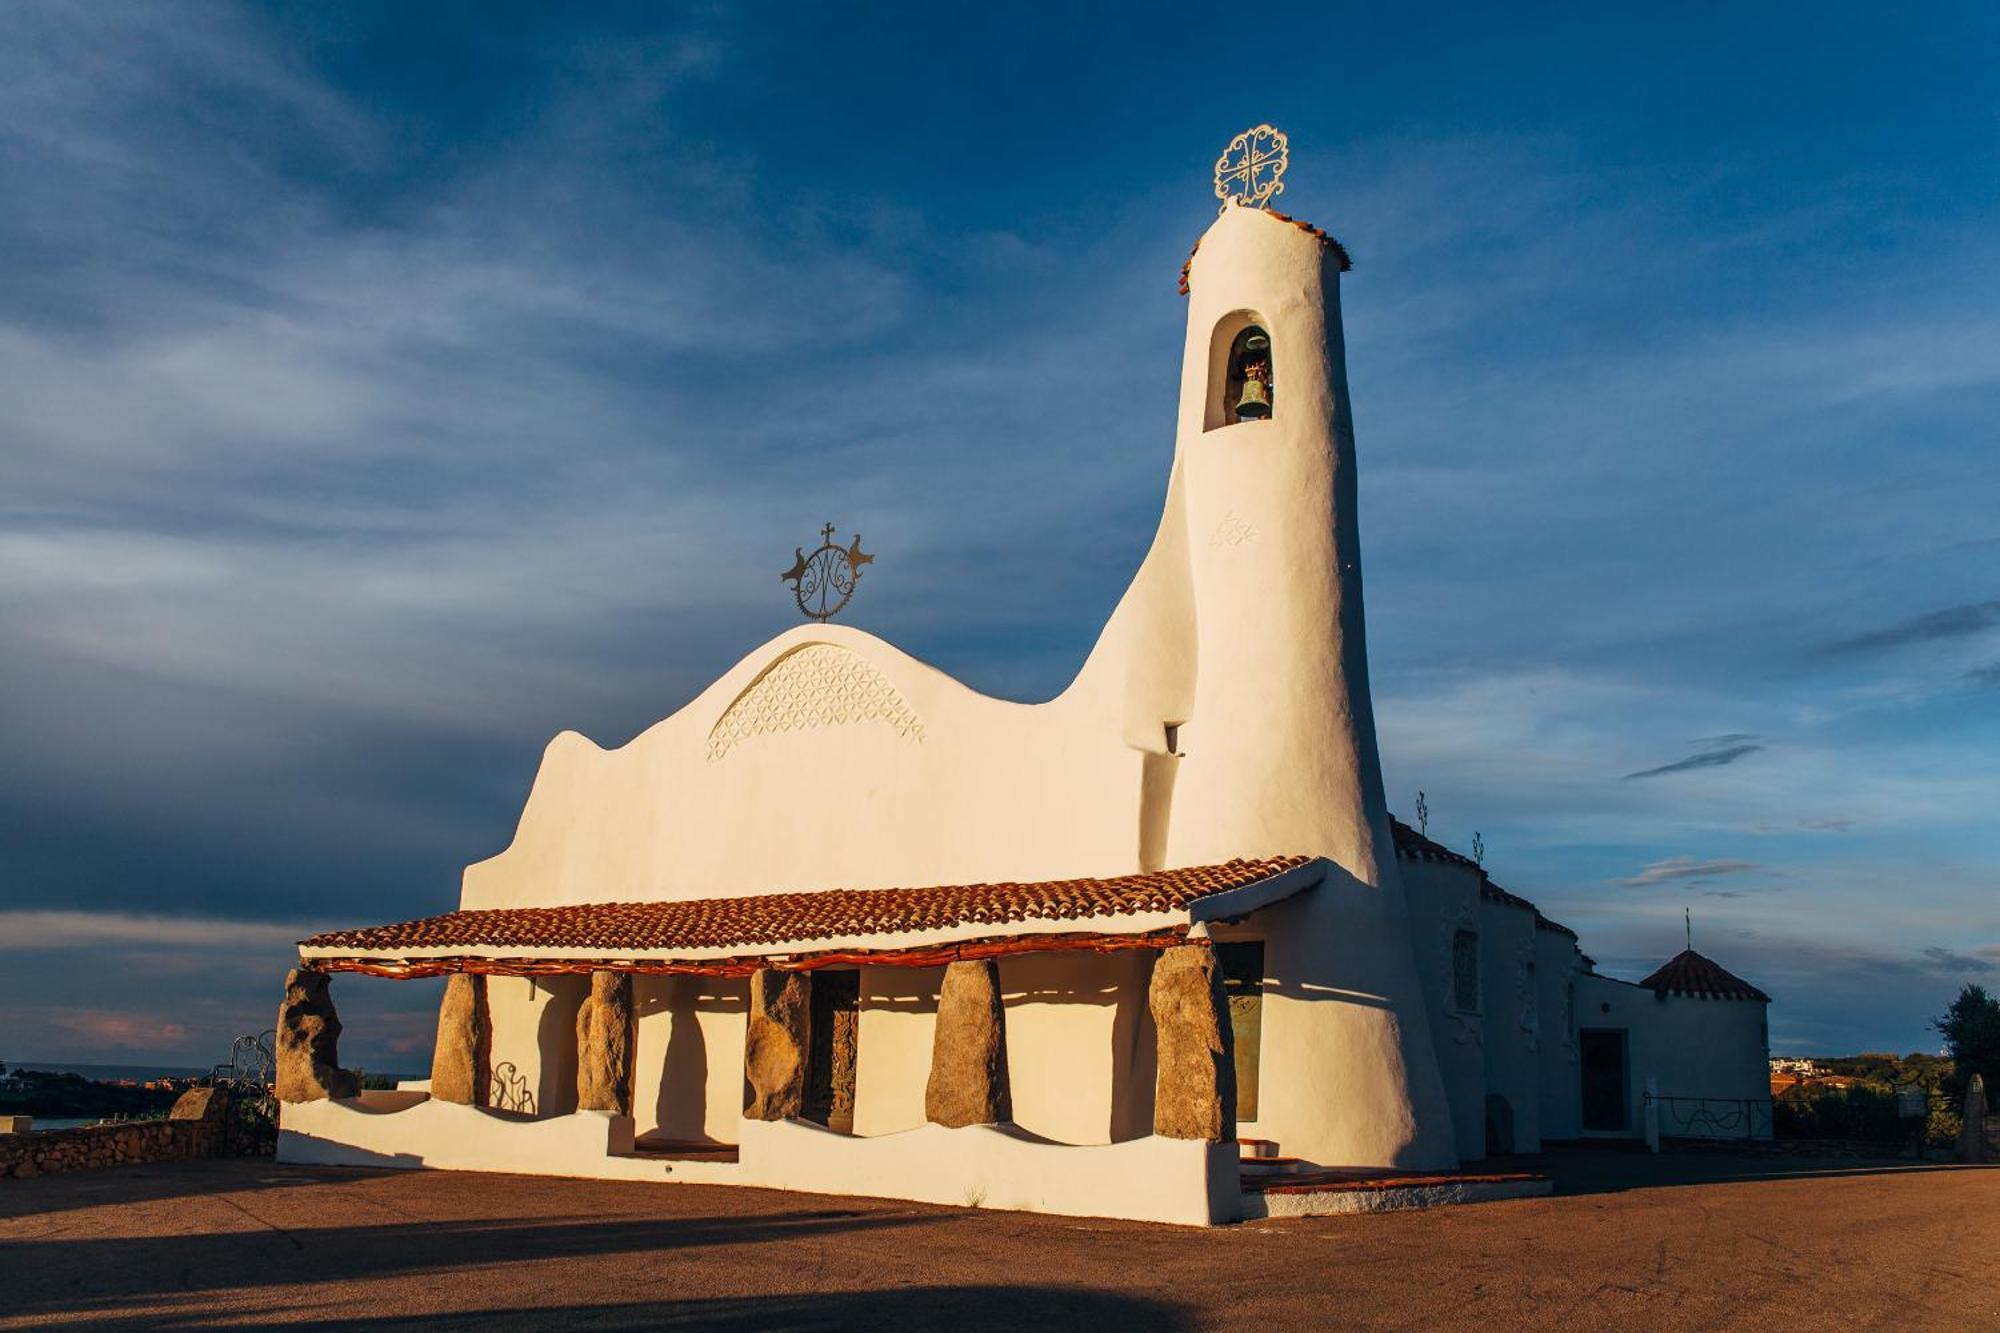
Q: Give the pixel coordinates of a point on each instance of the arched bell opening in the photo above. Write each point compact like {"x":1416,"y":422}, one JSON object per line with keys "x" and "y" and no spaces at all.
{"x":1241,"y":384}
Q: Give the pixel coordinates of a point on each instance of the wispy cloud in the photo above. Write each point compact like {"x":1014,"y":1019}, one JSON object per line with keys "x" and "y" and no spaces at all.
{"x":1953,"y":622}
{"x":1679,"y":868}
{"x":23,"y":931}
{"x":1987,"y":676}
{"x":1950,"y":961}
{"x":1717,"y":757}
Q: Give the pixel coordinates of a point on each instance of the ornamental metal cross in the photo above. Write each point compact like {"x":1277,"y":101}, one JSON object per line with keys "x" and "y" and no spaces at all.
{"x":1251,"y":170}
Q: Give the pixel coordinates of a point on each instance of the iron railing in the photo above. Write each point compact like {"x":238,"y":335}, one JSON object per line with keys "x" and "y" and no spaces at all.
{"x":1713,"y":1117}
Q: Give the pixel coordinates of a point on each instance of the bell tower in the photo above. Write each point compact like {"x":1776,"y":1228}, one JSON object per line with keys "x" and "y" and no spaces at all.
{"x":1278,"y":751}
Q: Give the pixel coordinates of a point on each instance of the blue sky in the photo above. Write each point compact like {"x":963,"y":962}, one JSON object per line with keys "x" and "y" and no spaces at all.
{"x":386,"y":388}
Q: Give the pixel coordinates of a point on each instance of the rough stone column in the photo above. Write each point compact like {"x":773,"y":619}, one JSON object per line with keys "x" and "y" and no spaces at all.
{"x":604,"y":1045}
{"x":774,"y":1046}
{"x":461,"y":1062}
{"x":1195,"y":1097}
{"x":309,"y":1042}
{"x":968,"y":1082}
{"x":1972,"y":1134}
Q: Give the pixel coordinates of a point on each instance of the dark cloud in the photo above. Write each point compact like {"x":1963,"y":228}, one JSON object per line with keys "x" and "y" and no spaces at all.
{"x":1987,"y":676}
{"x":1956,"y":962}
{"x":1712,"y":758}
{"x":1953,"y":622}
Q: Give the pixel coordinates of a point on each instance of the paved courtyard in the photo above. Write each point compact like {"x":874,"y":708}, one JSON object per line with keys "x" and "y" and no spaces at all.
{"x":1630,"y":1241}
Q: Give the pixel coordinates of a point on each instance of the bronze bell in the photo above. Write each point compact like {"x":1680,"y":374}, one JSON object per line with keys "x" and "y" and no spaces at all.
{"x":1255,"y":402}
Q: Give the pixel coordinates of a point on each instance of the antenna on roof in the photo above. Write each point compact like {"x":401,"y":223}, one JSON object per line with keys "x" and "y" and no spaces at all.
{"x":1478,"y":849}
{"x":1423,"y":814}
{"x":1689,"y":913}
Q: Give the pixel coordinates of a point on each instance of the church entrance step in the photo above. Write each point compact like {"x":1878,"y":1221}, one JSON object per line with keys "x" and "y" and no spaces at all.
{"x":1320,"y":1191}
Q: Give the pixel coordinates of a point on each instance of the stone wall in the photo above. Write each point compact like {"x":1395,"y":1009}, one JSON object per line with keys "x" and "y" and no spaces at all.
{"x":205,"y":1123}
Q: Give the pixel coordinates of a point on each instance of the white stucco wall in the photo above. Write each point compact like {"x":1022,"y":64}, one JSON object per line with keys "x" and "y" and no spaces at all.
{"x":1079,"y":1046}
{"x":1443,"y":900}
{"x":1692,"y":1048}
{"x":1510,"y":992}
{"x":687,"y":1060}
{"x":534,"y":1029}
{"x":1557,"y":964}
{"x":1279,"y":748}
{"x":1150,"y":1179}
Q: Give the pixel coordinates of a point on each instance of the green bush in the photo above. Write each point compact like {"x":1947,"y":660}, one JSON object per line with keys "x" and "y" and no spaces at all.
{"x":1859,"y":1112}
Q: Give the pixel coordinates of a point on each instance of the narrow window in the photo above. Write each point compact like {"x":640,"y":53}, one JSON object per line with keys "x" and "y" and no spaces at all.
{"x":1249,"y":392}
{"x":1242,"y":967}
{"x":1465,"y":971}
{"x":1173,"y":737}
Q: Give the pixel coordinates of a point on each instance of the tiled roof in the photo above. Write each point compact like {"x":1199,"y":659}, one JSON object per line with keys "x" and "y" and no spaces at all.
{"x":1493,"y":893}
{"x":1688,"y":973}
{"x":1543,"y":923}
{"x":757,"y":923}
{"x":1414,"y":846}
{"x":1339,"y":250}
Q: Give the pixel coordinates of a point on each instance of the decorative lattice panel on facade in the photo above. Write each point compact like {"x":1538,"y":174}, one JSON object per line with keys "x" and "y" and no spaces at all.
{"x":819,"y":685}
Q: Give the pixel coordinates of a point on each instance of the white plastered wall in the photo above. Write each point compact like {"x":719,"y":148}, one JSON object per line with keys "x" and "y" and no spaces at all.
{"x":687,"y":1061}
{"x":1557,"y":966}
{"x":1279,"y":751}
{"x":1510,"y":995}
{"x":1444,"y":899}
{"x":1692,"y":1048}
{"x":1079,"y":1045}
{"x":534,"y":1030}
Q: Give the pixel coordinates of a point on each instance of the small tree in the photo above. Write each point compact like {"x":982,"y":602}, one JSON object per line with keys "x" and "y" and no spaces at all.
{"x":1971,"y":1031}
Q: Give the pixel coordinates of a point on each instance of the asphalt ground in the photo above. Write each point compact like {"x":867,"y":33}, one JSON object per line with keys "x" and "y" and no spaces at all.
{"x":1630,"y":1241}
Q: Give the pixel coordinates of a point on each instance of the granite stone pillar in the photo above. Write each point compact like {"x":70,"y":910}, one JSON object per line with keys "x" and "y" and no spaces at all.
{"x":775,"y":1043}
{"x":604,"y":1045}
{"x":1972,"y":1133}
{"x":968,"y":1082}
{"x":308,"y":1054}
{"x":1195,"y":1096}
{"x":461,"y":1062}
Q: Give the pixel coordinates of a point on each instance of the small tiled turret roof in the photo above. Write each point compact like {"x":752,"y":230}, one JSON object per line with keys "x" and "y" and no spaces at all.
{"x":1688,"y":973}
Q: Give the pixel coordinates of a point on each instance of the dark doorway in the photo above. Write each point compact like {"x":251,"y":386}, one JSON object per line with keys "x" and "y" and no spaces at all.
{"x":836,"y":1038}
{"x":1499,"y":1125}
{"x":1602,"y":1056}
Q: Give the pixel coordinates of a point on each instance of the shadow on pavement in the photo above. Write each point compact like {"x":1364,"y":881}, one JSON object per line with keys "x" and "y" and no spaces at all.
{"x":966,"y":1309}
{"x":125,"y":1275}
{"x":120,"y":1185}
{"x":1587,"y":1170}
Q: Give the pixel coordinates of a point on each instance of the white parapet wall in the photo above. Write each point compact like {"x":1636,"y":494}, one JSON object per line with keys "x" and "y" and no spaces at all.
{"x":983,"y":1166}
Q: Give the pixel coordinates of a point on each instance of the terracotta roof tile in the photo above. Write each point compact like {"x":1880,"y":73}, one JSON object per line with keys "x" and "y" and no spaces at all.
{"x":1688,"y":973}
{"x":1339,"y":250}
{"x":1543,"y":923}
{"x":760,"y":922}
{"x":1414,"y":846}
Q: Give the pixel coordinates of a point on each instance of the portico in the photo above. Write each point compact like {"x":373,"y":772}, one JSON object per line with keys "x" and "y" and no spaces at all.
{"x":973,"y":948}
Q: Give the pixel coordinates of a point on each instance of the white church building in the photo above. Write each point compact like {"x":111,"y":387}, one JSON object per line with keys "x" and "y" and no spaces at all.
{"x":1152,"y":949}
